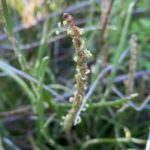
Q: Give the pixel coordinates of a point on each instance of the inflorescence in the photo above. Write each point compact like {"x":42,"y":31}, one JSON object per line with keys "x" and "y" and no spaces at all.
{"x":82,"y":54}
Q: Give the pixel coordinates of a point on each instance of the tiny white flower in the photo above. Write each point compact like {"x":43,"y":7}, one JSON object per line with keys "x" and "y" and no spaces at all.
{"x":64,"y":22}
{"x":75,"y":93}
{"x":87,"y":71}
{"x":57,"y":32}
{"x":84,"y":78}
{"x":88,"y":53}
{"x":85,"y":87}
{"x":81,"y":31}
{"x":76,"y":58}
{"x":69,"y":31}
{"x":71,"y":99}
{"x":59,"y":25}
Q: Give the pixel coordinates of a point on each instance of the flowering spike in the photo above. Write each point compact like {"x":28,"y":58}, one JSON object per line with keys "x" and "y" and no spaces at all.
{"x":82,"y":54}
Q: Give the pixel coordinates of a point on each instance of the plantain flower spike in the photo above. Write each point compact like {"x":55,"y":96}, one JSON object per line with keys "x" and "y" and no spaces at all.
{"x":82,"y":54}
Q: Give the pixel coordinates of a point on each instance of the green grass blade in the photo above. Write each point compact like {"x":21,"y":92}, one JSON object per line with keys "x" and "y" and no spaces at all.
{"x":120,"y":48}
{"x":9,"y":30}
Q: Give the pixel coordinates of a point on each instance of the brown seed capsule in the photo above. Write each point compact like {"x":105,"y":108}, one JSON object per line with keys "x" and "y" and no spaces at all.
{"x":68,"y":18}
{"x":65,"y":15}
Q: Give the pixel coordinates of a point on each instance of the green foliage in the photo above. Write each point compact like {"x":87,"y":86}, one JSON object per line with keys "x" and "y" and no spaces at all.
{"x":37,"y":71}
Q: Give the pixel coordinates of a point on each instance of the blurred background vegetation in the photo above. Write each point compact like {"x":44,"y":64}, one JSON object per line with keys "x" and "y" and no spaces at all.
{"x":37,"y":75}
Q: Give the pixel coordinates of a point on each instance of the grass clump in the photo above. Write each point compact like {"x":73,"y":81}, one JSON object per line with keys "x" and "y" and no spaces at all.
{"x":38,"y":76}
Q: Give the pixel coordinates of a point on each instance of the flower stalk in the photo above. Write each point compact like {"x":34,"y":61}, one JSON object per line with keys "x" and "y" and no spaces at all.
{"x":82,"y":54}
{"x":132,"y":66}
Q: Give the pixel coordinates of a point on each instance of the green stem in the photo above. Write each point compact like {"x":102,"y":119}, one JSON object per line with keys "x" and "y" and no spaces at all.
{"x":119,"y":50}
{"x":108,"y":103}
{"x":115,"y":103}
{"x":11,"y":37}
{"x":112,"y":141}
